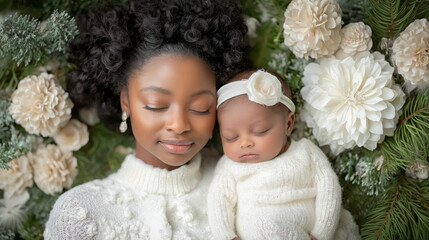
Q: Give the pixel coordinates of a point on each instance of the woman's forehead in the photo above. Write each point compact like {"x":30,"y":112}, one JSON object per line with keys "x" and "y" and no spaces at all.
{"x":174,"y":73}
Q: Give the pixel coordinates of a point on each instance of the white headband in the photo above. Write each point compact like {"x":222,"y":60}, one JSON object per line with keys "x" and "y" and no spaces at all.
{"x":261,"y":87}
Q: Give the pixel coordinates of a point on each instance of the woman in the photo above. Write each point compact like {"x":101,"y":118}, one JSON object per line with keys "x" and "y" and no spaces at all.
{"x":156,"y":63}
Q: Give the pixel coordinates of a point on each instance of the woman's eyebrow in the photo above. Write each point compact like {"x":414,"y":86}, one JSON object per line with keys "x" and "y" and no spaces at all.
{"x":206,"y":91}
{"x":156,"y":89}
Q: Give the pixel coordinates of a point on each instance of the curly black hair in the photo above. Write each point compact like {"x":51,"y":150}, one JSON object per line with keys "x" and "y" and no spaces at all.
{"x":114,"y":40}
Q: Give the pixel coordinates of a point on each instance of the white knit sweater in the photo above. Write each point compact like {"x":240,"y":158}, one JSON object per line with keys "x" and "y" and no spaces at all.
{"x":288,"y":197}
{"x":137,"y":202}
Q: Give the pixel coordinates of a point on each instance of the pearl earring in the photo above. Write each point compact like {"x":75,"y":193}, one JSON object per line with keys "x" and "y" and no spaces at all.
{"x":123,"y":127}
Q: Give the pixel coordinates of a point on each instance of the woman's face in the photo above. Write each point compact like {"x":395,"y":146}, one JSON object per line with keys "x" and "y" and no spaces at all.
{"x":171,"y":102}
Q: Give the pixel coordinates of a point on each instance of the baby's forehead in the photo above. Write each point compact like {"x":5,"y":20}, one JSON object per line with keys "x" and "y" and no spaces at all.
{"x":241,"y":106}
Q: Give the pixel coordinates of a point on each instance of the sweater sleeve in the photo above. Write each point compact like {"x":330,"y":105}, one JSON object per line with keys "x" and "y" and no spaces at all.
{"x":68,"y":220}
{"x":328,"y":199}
{"x":222,"y":199}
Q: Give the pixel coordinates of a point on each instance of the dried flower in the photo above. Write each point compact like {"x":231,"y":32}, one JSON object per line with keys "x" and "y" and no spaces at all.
{"x":355,"y":37}
{"x":351,"y":102}
{"x":11,"y":211}
{"x":411,"y":54}
{"x":417,"y":170}
{"x":15,"y":179}
{"x":89,"y":116}
{"x":53,"y":169}
{"x":72,"y":136}
{"x":252,"y":24}
{"x":40,"y":105}
{"x":312,"y":27}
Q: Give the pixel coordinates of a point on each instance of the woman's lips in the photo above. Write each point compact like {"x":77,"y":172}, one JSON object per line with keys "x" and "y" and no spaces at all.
{"x":176,"y":147}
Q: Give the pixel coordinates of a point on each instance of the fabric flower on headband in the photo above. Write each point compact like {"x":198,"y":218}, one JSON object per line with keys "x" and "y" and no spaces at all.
{"x":261,"y":87}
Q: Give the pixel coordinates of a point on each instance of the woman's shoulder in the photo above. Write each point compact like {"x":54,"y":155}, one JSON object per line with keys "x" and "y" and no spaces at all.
{"x":75,"y":211}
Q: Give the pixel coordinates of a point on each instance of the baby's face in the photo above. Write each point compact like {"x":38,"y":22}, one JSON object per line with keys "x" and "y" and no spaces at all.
{"x":251,"y":132}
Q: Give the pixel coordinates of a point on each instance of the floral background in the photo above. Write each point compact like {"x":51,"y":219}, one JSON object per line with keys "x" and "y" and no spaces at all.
{"x":359,"y":71}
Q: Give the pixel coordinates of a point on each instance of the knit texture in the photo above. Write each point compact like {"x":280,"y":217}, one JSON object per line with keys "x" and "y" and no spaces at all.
{"x":137,"y":202}
{"x":287,"y":197}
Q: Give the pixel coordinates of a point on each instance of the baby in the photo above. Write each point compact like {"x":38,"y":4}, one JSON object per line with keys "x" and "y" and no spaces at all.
{"x":266,"y":186}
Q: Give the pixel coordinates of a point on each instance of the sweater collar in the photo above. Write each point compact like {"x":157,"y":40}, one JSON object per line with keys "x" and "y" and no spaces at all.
{"x":141,"y":176}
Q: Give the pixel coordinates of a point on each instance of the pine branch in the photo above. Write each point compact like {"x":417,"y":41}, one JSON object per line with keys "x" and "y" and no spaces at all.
{"x":388,"y":18}
{"x":20,"y":39}
{"x":401,"y":213}
{"x":410,"y":142}
{"x":13,"y":143}
{"x":60,"y":30}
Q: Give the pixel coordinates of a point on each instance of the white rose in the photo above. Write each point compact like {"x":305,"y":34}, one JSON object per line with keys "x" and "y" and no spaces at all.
{"x":53,"y":169}
{"x":355,"y":37}
{"x":264,"y":88}
{"x":72,"y":136}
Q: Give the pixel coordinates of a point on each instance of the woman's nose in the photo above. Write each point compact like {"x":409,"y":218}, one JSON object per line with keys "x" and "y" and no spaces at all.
{"x":178,"y":121}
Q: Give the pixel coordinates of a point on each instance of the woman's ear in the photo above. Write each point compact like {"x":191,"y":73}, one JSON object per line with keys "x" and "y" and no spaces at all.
{"x":125,"y":106}
{"x":290,"y":119}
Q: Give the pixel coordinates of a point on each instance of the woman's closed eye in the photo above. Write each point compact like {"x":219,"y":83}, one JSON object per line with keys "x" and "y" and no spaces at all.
{"x":200,"y":111}
{"x":155,"y":109}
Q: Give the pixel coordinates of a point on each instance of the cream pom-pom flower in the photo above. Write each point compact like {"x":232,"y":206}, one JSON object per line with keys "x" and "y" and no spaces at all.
{"x":351,"y":102}
{"x":72,"y":136}
{"x":410,"y":53}
{"x":355,"y":37}
{"x":53,"y":169}
{"x":40,"y":105}
{"x":15,"y":179}
{"x":312,"y":27}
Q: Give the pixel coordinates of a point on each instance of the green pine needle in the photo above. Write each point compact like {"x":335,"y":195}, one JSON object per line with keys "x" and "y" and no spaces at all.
{"x":410,"y":141}
{"x":390,"y":17}
{"x":400,"y":213}
{"x":20,"y":39}
{"x":60,"y":30}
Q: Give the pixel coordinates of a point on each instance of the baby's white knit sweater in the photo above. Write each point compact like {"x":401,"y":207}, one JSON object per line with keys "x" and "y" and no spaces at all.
{"x":137,"y":202}
{"x":288,"y":197}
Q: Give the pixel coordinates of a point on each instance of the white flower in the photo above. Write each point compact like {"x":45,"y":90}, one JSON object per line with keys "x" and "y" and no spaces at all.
{"x":123,"y":150}
{"x":53,"y":169}
{"x":410,"y":53}
{"x":15,"y":179}
{"x":264,"y":88}
{"x":378,"y":163}
{"x":252,"y":24}
{"x":72,"y":136}
{"x":89,"y":116}
{"x":417,"y":170}
{"x":11,"y":211}
{"x":351,"y":102}
{"x":49,"y":67}
{"x":355,"y":37}
{"x":312,"y":27}
{"x":40,"y":105}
